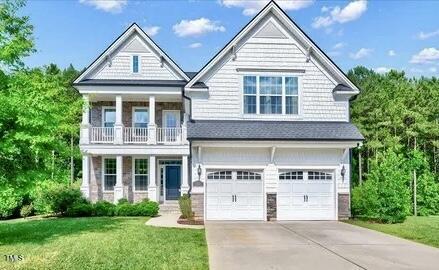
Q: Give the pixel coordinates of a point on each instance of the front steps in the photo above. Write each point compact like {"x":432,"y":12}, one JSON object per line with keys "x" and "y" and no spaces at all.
{"x":170,"y":207}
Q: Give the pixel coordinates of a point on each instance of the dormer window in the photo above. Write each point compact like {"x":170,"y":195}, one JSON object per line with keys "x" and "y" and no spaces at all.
{"x":271,"y":95}
{"x":135,"y":61}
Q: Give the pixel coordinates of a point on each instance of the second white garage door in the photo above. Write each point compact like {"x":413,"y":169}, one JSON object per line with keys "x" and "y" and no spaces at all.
{"x":306,"y":195}
{"x":234,"y":195}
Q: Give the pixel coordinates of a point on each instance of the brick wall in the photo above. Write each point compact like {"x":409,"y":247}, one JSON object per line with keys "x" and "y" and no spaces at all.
{"x":198,"y":204}
{"x":344,"y":210}
{"x":271,"y":206}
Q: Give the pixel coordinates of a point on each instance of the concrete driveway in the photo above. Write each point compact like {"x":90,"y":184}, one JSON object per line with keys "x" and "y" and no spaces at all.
{"x":311,"y":245}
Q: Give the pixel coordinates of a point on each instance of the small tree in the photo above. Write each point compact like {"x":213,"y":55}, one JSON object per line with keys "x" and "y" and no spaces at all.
{"x":186,"y":207}
{"x":385,"y":196}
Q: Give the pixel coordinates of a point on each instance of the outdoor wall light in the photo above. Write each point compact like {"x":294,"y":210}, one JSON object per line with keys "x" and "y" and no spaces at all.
{"x":343,"y":172}
{"x":199,"y":171}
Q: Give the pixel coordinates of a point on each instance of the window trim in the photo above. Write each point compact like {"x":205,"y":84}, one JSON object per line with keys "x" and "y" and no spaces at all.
{"x":139,"y":63}
{"x":272,"y":74}
{"x":133,"y":110}
{"x":173,"y":111}
{"x":103,"y":114}
{"x":133,"y":175}
{"x":103,"y":174}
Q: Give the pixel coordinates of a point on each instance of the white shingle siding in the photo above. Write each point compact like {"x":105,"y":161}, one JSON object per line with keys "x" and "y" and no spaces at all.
{"x":225,"y":94}
{"x":121,"y":65}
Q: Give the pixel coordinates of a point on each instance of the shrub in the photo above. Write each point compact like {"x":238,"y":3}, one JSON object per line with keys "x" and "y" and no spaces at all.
{"x":60,"y":197}
{"x":427,"y":194}
{"x":10,"y":200}
{"x":147,"y":208}
{"x":26,"y":210}
{"x":122,"y":201}
{"x":385,"y":196}
{"x":79,"y":209}
{"x":104,"y":208}
{"x":185,"y":204}
{"x":126,"y":209}
{"x":38,"y":196}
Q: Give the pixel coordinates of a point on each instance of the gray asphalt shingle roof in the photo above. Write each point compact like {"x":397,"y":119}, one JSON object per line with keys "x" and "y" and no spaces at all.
{"x":272,"y":130}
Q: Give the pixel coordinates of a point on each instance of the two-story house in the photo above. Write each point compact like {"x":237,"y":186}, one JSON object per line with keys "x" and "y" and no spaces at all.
{"x":261,"y":132}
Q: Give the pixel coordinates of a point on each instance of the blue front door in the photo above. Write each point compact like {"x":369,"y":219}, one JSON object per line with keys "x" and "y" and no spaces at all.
{"x":173,"y":182}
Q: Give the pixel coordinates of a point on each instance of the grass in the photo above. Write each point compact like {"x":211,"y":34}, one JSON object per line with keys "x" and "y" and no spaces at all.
{"x":424,"y":230}
{"x":100,"y":243}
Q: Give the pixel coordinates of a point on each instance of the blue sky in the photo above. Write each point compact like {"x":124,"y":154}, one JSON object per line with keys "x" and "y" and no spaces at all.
{"x":403,"y":35}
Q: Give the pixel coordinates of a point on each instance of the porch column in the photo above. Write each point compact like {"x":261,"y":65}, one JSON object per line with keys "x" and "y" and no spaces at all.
{"x":118,"y":188}
{"x":85,"y":185}
{"x":118,"y":125}
{"x":184,"y":176}
{"x":152,"y":128}
{"x":84,"y":137}
{"x":152,"y":185}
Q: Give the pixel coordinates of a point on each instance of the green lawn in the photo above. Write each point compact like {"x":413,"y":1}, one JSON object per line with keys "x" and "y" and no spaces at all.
{"x":100,"y":243}
{"x":420,"y":229}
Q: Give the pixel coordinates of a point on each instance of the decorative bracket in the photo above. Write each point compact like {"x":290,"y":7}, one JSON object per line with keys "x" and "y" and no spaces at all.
{"x":308,"y":54}
{"x":234,"y":53}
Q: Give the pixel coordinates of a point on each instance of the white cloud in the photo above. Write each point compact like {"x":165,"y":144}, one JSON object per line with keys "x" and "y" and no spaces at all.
{"x":350,"y":12}
{"x":152,"y":30}
{"x":423,"y":36}
{"x":361,"y":53}
{"x":432,"y":69}
{"x":426,"y":56}
{"x":382,"y":69}
{"x":339,"y":45}
{"x":111,"y":6}
{"x":195,"y":45}
{"x":197,"y":27}
{"x":251,"y":7}
{"x":391,"y":53}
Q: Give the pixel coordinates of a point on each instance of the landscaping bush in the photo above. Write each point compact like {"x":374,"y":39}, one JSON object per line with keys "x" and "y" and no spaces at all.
{"x":185,"y":204}
{"x":122,"y":201}
{"x":427,"y":194}
{"x":385,"y":196}
{"x":10,"y":201}
{"x":60,"y":197}
{"x":126,"y":209}
{"x":26,"y":210}
{"x":79,"y":209}
{"x":104,"y":208}
{"x":147,"y":208}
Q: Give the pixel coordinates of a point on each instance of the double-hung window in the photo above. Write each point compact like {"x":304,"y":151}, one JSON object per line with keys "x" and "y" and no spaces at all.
{"x":135,"y":61}
{"x":140,"y":174}
{"x":109,"y":174}
{"x":109,"y":117}
{"x":140,"y":117}
{"x":271,"y":94}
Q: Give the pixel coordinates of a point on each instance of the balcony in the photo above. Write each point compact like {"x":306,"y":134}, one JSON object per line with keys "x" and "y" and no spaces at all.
{"x":133,"y":135}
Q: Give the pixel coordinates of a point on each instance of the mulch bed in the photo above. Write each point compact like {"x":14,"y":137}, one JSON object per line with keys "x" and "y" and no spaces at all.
{"x":195,"y":221}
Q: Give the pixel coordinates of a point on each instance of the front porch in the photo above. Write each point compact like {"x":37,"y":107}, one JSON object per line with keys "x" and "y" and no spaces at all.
{"x":135,"y":177}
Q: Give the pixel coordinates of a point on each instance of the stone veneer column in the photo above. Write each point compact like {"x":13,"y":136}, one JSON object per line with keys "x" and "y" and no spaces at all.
{"x":85,"y":185}
{"x":118,"y":188}
{"x":344,"y":210}
{"x":271,"y":206}
{"x":152,"y":185}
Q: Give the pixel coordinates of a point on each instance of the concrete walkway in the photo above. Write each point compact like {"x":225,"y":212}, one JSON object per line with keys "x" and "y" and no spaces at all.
{"x":311,"y":245}
{"x":170,"y":221}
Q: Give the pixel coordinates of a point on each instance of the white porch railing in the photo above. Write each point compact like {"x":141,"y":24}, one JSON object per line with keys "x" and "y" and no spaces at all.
{"x":102,"y":135}
{"x":169,"y":135}
{"x":135,"y":135}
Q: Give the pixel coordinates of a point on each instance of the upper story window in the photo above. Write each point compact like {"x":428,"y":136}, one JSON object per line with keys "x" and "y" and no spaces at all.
{"x":140,"y":117}
{"x":109,"y":117}
{"x":135,"y":64}
{"x":271,"y":95}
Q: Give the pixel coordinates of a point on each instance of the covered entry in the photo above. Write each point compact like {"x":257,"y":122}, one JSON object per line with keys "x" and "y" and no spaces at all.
{"x":234,"y":195}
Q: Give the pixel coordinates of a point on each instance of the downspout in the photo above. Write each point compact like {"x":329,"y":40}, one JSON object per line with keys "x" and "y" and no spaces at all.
{"x":190,"y":142}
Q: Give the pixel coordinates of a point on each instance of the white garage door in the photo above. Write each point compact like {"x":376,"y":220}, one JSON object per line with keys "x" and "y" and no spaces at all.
{"x":306,"y":195}
{"x":234,"y":195}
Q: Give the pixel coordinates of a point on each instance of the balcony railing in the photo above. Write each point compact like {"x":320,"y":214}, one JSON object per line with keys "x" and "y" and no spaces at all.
{"x":102,"y":135}
{"x":133,"y":135}
{"x":169,"y":135}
